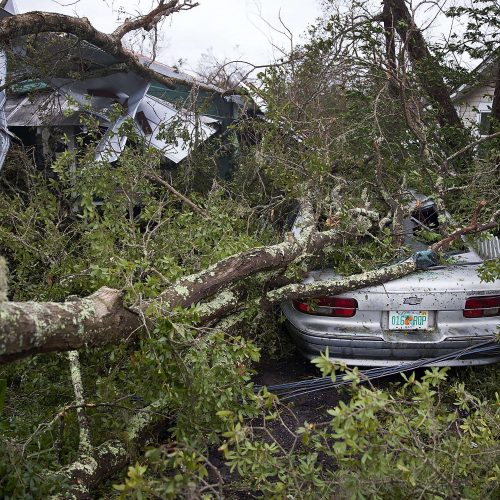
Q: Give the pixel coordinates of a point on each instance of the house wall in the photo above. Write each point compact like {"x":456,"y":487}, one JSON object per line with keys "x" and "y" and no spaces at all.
{"x":473,"y":103}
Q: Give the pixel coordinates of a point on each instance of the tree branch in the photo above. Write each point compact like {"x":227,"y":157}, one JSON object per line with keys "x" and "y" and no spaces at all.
{"x":199,"y":286}
{"x":111,"y":456}
{"x":473,"y":228}
{"x":471,"y":145}
{"x":101,"y":319}
{"x":36,"y":22}
{"x":85,"y":445}
{"x":495,"y":105}
{"x":158,"y":180}
{"x":148,"y":21}
{"x":334,"y":287}
{"x":395,"y":206}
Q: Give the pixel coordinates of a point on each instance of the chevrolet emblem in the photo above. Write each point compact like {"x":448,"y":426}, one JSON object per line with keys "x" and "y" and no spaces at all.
{"x":412,"y":301}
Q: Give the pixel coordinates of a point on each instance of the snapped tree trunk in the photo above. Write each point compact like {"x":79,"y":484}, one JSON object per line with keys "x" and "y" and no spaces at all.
{"x":427,"y":68}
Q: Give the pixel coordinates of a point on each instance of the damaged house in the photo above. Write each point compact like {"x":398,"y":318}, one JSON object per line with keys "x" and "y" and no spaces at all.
{"x":46,"y":113}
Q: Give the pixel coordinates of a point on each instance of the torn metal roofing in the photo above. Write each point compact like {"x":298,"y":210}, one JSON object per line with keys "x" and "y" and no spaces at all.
{"x":100,"y":94}
{"x":154,"y":116}
{"x":64,"y":107}
{"x":9,"y":9}
{"x":112,"y":144}
{"x":4,"y":136}
{"x":47,"y":109}
{"x":113,"y":99}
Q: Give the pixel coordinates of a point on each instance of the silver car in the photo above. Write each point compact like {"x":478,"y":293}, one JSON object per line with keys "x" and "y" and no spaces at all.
{"x":425,"y":315}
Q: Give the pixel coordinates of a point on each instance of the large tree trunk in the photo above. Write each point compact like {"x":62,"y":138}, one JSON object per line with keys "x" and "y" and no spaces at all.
{"x":390,"y":52}
{"x":197,"y":287}
{"x":426,"y":66}
{"x":28,"y":328}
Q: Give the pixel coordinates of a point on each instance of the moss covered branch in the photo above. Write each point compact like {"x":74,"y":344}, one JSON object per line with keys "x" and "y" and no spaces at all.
{"x":28,"y":328}
{"x":3,"y":280}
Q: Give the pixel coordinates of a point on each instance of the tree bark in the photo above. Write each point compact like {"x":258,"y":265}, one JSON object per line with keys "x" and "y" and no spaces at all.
{"x":390,"y":51}
{"x":208,"y":282}
{"x":105,"y":460}
{"x":341,"y":285}
{"x":28,"y":328}
{"x":426,"y":66}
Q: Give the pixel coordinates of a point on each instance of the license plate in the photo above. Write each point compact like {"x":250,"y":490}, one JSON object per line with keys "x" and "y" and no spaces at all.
{"x":408,"y":320}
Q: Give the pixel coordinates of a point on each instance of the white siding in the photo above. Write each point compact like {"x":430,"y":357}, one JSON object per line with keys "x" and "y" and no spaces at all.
{"x":472,"y":103}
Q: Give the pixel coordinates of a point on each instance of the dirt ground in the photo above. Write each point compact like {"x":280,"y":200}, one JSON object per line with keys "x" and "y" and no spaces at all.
{"x":309,"y":407}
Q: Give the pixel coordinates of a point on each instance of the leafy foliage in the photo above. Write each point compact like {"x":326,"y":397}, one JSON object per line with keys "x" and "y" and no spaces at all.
{"x":332,"y":128}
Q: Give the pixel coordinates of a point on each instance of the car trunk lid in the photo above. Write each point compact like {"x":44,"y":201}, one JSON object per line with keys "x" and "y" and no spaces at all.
{"x":441,"y":288}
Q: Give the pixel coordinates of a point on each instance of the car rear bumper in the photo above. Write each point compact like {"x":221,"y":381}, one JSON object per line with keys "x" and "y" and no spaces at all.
{"x":364,"y":350}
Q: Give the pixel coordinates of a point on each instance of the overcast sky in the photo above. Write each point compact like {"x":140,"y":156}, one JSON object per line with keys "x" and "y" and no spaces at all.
{"x":232,"y":29}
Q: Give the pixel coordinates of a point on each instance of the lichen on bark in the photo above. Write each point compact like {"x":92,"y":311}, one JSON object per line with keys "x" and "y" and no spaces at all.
{"x":4,"y":281}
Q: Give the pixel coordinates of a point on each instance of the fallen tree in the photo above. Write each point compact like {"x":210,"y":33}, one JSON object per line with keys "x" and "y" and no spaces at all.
{"x":102,"y":319}
{"x":138,"y":312}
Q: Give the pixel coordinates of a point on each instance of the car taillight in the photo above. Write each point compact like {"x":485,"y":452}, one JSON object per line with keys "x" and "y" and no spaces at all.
{"x":478,"y":307}
{"x":328,"y":306}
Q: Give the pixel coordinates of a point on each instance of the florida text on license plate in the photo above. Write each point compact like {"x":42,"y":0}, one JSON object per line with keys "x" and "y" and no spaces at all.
{"x":408,"y":320}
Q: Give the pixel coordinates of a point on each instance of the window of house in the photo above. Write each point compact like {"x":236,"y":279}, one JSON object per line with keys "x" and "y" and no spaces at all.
{"x":483,"y":118}
{"x":484,"y":123}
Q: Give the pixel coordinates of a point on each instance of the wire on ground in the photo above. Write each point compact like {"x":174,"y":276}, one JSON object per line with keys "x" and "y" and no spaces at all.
{"x":295,"y":389}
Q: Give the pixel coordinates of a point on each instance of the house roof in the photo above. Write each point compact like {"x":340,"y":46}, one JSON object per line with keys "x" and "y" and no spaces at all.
{"x":49,"y":108}
{"x":174,"y":73}
{"x":155,"y":115}
{"x":8,"y":8}
{"x":481,"y":74}
{"x":64,"y":107}
{"x":62,"y":101}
